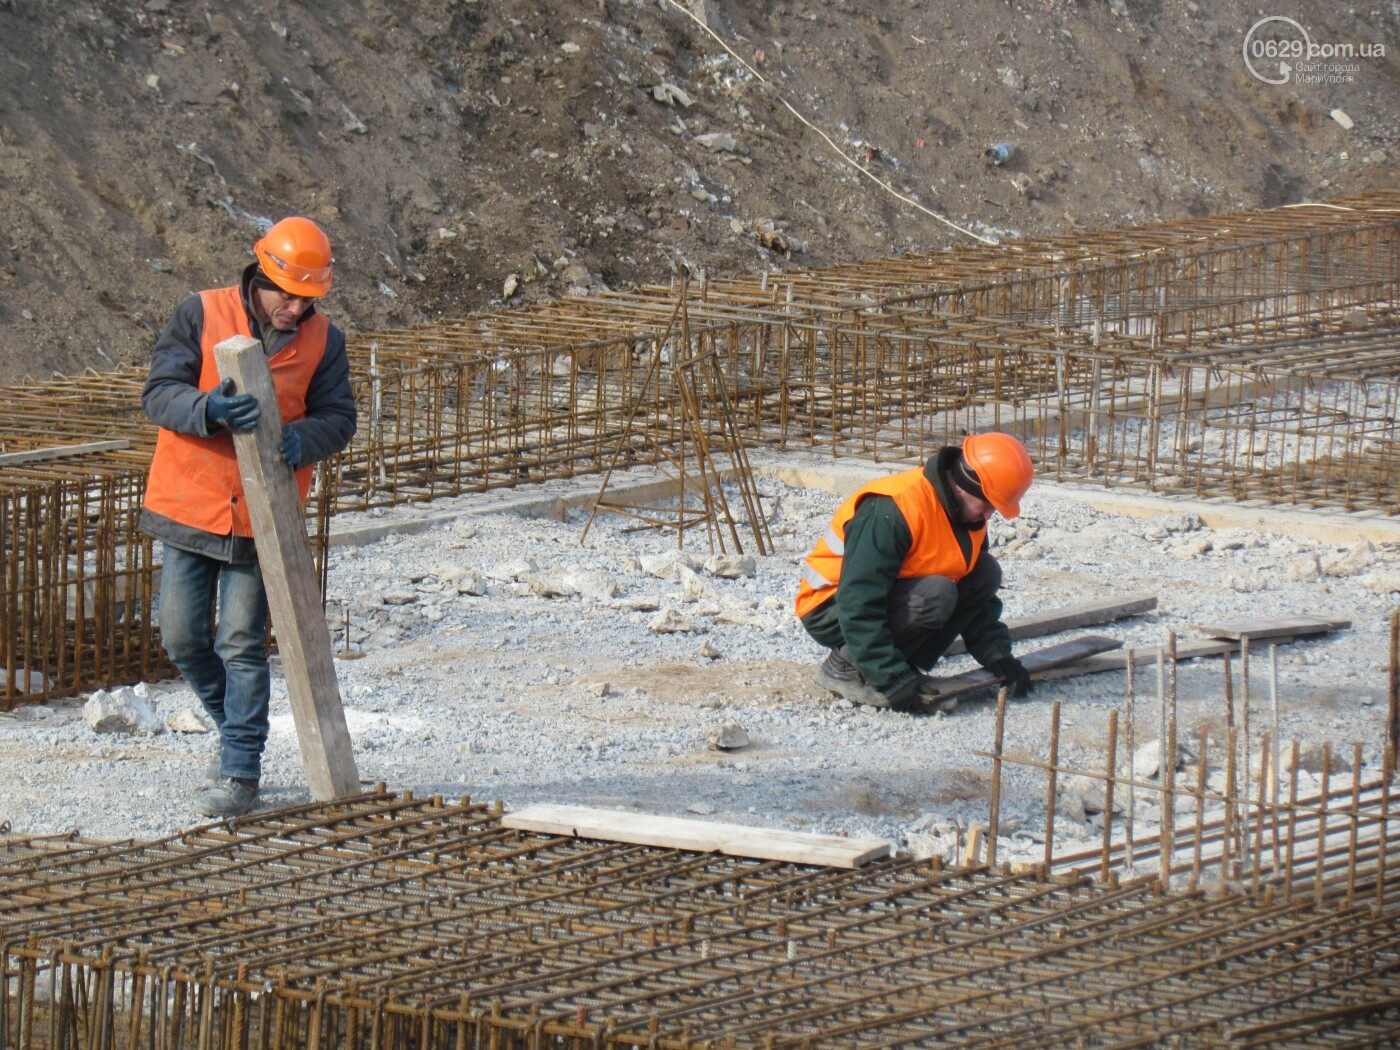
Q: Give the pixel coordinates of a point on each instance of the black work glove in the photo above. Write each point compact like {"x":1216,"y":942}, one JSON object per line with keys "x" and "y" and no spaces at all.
{"x":292,"y":450}
{"x":918,"y":695}
{"x":225,"y":409}
{"x":1013,"y":673}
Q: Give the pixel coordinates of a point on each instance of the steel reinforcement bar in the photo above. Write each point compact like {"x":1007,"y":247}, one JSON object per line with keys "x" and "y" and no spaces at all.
{"x":393,"y":922}
{"x":1246,"y":357}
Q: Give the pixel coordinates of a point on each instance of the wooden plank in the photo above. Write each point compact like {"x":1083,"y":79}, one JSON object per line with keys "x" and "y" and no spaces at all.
{"x":703,"y":836}
{"x":41,"y":455}
{"x":1290,"y":626}
{"x":1084,"y":614}
{"x":289,"y":574}
{"x":1037,"y":663}
{"x":1148,"y":657}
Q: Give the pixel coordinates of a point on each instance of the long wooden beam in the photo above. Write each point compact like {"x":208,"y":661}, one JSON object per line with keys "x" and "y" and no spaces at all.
{"x":52,"y":452}
{"x":1084,"y":614}
{"x":1039,"y":663}
{"x":289,"y":574}
{"x":705,"y":836}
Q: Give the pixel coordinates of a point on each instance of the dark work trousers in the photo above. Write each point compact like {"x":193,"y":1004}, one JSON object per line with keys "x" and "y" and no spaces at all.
{"x":926,"y":613}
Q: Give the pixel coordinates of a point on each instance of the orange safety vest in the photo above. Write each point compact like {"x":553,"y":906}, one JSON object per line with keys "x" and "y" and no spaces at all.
{"x":194,"y":480}
{"x":934,"y":552}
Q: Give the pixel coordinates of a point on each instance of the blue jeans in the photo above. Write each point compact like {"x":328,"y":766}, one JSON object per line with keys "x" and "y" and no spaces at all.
{"x":225,"y":664}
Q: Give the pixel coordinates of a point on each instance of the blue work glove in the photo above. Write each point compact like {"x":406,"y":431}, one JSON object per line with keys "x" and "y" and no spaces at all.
{"x":226,"y":410}
{"x":291,"y":447}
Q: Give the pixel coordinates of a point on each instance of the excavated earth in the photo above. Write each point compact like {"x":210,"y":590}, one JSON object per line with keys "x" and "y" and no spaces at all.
{"x":448,"y":147}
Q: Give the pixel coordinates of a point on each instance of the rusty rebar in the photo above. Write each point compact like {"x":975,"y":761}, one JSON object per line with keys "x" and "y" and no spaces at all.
{"x":1249,"y":357}
{"x":395,"y":922}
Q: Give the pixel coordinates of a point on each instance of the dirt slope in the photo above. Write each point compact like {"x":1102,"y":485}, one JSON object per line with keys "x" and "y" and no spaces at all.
{"x":447,"y":146}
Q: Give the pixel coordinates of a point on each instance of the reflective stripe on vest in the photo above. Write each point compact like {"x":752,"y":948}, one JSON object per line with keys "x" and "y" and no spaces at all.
{"x":194,"y":480}
{"x":934,"y":550}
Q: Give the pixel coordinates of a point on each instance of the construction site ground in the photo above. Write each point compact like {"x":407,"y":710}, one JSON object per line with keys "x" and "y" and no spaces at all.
{"x":465,"y":678}
{"x":706,"y":160}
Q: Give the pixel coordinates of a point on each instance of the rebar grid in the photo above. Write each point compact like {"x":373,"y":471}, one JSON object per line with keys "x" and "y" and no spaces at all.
{"x":395,"y":922}
{"x":1188,"y":278}
{"x":1248,"y":357}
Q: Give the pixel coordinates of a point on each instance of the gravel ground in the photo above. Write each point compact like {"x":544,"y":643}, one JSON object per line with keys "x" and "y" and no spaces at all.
{"x":496,"y":656}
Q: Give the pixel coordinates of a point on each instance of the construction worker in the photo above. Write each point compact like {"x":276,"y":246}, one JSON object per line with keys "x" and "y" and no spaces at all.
{"x":194,"y":498}
{"x":902,"y":571}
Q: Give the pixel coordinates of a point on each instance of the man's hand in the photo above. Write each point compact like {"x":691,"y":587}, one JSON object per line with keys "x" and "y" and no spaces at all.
{"x":291,"y":447}
{"x":226,"y":410}
{"x":1014,"y":674}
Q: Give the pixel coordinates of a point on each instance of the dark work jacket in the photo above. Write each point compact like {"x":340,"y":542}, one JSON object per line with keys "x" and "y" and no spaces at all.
{"x":172,"y":399}
{"x":877,"y":542}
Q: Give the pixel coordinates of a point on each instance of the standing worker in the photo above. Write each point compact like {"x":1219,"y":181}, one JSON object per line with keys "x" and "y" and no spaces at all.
{"x":194,"y":496}
{"x":903,"y":570}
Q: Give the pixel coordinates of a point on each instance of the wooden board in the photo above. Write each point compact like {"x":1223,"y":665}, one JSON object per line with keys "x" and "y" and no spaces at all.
{"x":1037,"y":663}
{"x":1287,"y":626}
{"x":1148,"y":657}
{"x":289,"y":574}
{"x":43,"y":455}
{"x":703,"y":836}
{"x":1085,"y":614}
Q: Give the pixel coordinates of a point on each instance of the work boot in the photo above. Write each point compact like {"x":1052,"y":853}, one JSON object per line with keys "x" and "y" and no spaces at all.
{"x":229,"y":797}
{"x":838,"y":675}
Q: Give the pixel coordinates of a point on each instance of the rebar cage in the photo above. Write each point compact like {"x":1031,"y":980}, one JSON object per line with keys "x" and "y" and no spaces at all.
{"x":1243,"y":357}
{"x":393,"y":922}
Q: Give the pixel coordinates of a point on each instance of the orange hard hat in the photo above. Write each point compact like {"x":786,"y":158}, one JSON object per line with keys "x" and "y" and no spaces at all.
{"x":296,"y":256}
{"x":1003,"y":468}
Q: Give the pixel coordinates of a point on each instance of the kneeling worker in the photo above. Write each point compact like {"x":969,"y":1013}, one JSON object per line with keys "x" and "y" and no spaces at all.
{"x":902,"y":571}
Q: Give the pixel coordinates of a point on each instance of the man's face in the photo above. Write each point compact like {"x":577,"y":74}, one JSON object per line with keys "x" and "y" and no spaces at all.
{"x":972,"y":511}
{"x":278,"y":308}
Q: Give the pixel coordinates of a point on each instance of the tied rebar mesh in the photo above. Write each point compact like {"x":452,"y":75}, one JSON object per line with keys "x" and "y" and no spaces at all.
{"x":393,"y":922}
{"x":1244,"y":357}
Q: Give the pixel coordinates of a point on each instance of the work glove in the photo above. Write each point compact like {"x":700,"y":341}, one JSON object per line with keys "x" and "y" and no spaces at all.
{"x":224,"y":409}
{"x":1014,"y":674}
{"x":918,"y":695}
{"x":292,"y":450}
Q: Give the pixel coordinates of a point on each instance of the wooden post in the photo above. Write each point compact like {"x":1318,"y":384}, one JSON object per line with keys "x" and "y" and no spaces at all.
{"x":279,"y":530}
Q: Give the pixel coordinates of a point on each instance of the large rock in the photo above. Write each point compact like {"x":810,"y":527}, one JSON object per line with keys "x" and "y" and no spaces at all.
{"x":187,"y":720}
{"x":515,"y":569}
{"x":1352,"y":562}
{"x":693,"y":589}
{"x":1079,"y":797}
{"x":593,"y":584}
{"x":638,"y":603}
{"x":731,"y":566}
{"x":671,"y":621}
{"x":550,"y":586}
{"x":666,"y":565}
{"x":1147,"y":760}
{"x":471,"y":583}
{"x":123,"y":711}
{"x":728,"y":737}
{"x":717,"y":141}
{"x":670,"y":95}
